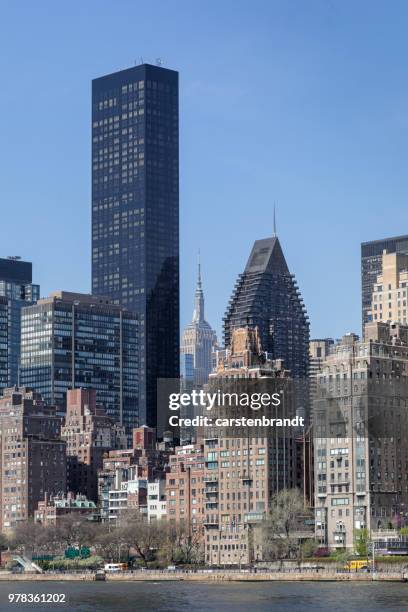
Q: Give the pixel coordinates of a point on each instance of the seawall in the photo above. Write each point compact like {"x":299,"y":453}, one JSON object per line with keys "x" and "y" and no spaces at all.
{"x":212,"y":577}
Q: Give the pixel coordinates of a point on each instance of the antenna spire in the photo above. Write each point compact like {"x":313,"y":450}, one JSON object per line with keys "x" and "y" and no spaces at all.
{"x":199,"y":269}
{"x":274,"y":220}
{"x":198,"y":315}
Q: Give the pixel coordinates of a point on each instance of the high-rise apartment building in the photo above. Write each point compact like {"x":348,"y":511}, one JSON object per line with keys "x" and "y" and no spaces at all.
{"x":371,"y":266}
{"x":32,"y":455}
{"x":89,"y":433}
{"x":266,"y":296}
{"x":72,"y":340}
{"x":360,"y":449}
{"x":185,"y":488}
{"x":135,"y":212}
{"x":244,"y":469}
{"x":389,"y":297}
{"x":16,"y":291}
{"x":319,"y":348}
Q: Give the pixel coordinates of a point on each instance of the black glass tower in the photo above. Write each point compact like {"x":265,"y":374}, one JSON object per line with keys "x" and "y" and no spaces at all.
{"x":266,"y":296}
{"x":16,"y":290}
{"x":135,"y":212}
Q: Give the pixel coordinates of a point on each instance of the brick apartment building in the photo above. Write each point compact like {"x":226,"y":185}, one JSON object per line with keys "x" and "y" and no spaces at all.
{"x":89,"y":434}
{"x":32,"y":455}
{"x":243,"y":472}
{"x":185,"y":487}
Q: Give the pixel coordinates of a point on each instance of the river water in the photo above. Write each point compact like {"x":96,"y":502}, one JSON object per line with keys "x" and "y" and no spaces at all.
{"x":189,"y":597}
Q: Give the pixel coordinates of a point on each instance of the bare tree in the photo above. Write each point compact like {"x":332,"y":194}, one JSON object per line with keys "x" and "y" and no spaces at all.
{"x":76,"y":531}
{"x":108,"y":543}
{"x":183,"y":544}
{"x":144,"y":537}
{"x":29,"y":536}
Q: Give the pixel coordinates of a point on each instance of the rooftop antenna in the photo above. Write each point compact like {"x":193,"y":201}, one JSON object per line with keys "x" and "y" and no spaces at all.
{"x":141,"y":59}
{"x":199,"y":268}
{"x":274,"y":220}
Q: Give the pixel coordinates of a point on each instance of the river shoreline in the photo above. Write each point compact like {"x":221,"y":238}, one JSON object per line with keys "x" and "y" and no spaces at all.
{"x":220,"y":577}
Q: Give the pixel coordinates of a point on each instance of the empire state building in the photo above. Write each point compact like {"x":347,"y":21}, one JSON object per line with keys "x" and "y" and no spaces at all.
{"x":198,"y":340}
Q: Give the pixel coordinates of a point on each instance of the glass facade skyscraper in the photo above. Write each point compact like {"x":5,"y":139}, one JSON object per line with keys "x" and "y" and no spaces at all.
{"x":4,"y":309}
{"x":135,"y":212}
{"x":71,"y":340}
{"x":17,"y":289}
{"x":371,"y":267}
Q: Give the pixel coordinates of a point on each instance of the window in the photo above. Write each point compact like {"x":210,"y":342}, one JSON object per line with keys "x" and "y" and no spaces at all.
{"x":340,"y":501}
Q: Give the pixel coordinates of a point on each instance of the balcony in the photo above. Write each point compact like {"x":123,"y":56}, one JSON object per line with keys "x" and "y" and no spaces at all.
{"x":211,"y":523}
{"x":212,"y":478}
{"x":211,"y":505}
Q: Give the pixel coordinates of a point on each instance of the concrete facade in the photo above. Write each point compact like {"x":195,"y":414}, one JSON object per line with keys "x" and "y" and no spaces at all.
{"x":360,"y":452}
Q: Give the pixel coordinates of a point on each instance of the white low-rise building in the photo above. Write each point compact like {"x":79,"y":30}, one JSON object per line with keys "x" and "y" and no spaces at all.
{"x":156,"y":500}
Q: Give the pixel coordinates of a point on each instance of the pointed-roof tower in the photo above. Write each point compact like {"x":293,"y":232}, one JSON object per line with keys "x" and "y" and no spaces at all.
{"x":266,"y":296}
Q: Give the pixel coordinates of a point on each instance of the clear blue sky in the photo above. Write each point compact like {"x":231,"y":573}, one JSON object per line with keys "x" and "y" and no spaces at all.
{"x":305,"y":103}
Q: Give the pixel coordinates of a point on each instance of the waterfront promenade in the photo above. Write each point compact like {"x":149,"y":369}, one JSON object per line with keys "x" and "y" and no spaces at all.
{"x":213,"y":576}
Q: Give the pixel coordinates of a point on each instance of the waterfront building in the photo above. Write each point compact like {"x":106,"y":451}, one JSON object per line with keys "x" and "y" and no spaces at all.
{"x":135,"y":213}
{"x":72,"y":340}
{"x":243,"y":470}
{"x":360,"y":453}
{"x":371,"y":267}
{"x":32,"y":455}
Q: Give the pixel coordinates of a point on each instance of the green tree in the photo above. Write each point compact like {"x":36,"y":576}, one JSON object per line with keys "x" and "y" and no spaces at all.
{"x":342,"y":555}
{"x":308,"y":547}
{"x":282,"y":529}
{"x":360,"y":542}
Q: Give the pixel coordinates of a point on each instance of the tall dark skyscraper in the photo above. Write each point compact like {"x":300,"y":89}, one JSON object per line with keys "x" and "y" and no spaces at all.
{"x":266,"y":296}
{"x":135,"y":212}
{"x":16,"y":291}
{"x":371,"y":267}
